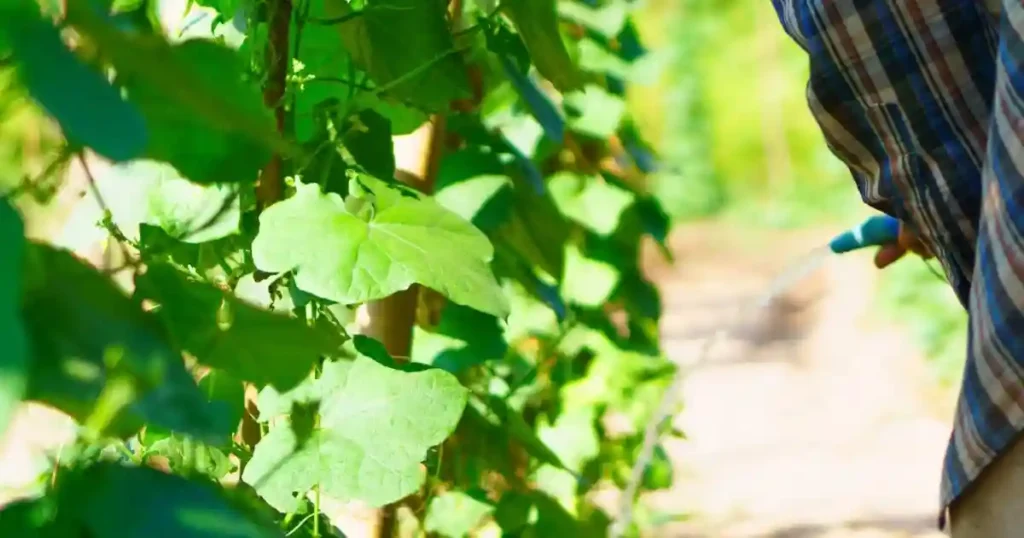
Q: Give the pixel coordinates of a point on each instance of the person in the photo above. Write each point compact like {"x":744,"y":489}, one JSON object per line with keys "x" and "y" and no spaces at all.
{"x":923,"y":100}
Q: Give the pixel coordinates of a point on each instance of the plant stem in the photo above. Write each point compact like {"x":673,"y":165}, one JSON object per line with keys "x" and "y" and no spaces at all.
{"x":270,"y":188}
{"x":278,"y":62}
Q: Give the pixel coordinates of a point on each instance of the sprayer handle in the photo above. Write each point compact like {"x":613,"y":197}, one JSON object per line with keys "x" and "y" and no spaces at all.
{"x":875,"y":231}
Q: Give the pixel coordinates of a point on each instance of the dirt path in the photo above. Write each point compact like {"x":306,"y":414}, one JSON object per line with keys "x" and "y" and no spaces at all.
{"x":810,"y":421}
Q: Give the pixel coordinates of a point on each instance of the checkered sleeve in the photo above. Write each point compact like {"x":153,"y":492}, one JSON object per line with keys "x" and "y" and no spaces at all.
{"x":923,"y":100}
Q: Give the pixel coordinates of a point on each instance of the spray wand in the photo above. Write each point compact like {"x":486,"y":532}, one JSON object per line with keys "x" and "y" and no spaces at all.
{"x":875,"y":231}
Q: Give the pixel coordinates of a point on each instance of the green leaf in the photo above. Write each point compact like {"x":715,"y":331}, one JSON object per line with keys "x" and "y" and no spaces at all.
{"x":327,"y":167}
{"x":659,"y":473}
{"x":607,"y":20}
{"x":423,"y":67}
{"x":189,"y":458}
{"x":125,"y":6}
{"x":154,"y":193}
{"x":226,"y":8}
{"x":226,"y":394}
{"x":594,"y":111}
{"x":160,"y":505}
{"x":14,"y":360}
{"x":473,"y":185}
{"x":537,"y":230}
{"x":404,"y":119}
{"x":220,"y":331}
{"x":375,"y":428}
{"x":329,"y":81}
{"x":463,"y":338}
{"x":588,"y":282}
{"x":560,"y":484}
{"x":519,"y":430}
{"x":594,"y":57}
{"x":590,"y":201}
{"x":454,"y":514}
{"x":395,"y":239}
{"x":513,"y":511}
{"x":572,"y":436}
{"x":368,"y":139}
{"x":204,"y":114}
{"x":537,"y":23}
{"x":193,"y":213}
{"x":78,"y":321}
{"x":374,"y":349}
{"x":204,"y":117}
{"x":268,"y":294}
{"x":273,"y":403}
{"x":501,"y":40}
{"x":94,"y":114}
{"x":32,"y":518}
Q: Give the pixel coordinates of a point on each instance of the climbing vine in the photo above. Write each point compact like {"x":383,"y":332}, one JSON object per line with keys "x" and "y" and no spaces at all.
{"x":256,"y":200}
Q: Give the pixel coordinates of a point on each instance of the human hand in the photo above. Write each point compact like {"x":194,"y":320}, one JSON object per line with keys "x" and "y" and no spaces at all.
{"x":908,"y":241}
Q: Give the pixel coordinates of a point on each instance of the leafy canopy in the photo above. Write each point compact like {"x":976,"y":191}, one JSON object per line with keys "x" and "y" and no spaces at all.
{"x":255,"y":204}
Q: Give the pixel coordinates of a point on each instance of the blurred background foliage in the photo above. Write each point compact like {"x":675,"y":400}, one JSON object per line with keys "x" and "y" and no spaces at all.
{"x":728,"y":117}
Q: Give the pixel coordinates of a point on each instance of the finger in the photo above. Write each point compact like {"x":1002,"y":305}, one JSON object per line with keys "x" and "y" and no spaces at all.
{"x":912,"y":242}
{"x":889,"y":254}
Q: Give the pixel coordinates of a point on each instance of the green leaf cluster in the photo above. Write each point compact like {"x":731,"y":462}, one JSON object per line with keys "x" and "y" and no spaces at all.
{"x":534,"y":325}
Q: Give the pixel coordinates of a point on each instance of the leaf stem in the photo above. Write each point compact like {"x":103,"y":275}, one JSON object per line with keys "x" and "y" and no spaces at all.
{"x":112,"y":226}
{"x":316,"y":511}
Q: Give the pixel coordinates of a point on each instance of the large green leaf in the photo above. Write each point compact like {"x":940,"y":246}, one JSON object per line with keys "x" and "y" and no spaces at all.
{"x":423,"y":67}
{"x":152,"y":192}
{"x":253,"y":344}
{"x":33,"y":518}
{"x":189,"y":212}
{"x":204,"y":115}
{"x":377,"y":243}
{"x":208,"y":121}
{"x":94,"y":114}
{"x":273,"y":403}
{"x":79,"y":323}
{"x":375,"y":428}
{"x":13,"y":344}
{"x":537,"y":23}
{"x":112,"y":501}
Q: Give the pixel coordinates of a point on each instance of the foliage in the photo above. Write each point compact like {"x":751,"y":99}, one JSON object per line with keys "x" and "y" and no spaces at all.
{"x":254,"y":202}
{"x":716,"y":144}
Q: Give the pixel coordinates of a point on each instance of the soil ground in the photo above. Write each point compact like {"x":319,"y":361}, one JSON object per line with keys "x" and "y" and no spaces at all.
{"x":811,"y":420}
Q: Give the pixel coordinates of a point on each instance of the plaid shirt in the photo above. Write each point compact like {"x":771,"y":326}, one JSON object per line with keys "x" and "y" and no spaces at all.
{"x":924,"y":102}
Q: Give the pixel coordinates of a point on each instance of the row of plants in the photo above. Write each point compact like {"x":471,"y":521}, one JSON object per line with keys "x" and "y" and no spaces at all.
{"x":220,"y":376}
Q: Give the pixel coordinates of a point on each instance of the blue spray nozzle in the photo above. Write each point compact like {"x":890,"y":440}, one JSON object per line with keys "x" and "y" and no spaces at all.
{"x":875,"y":231}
